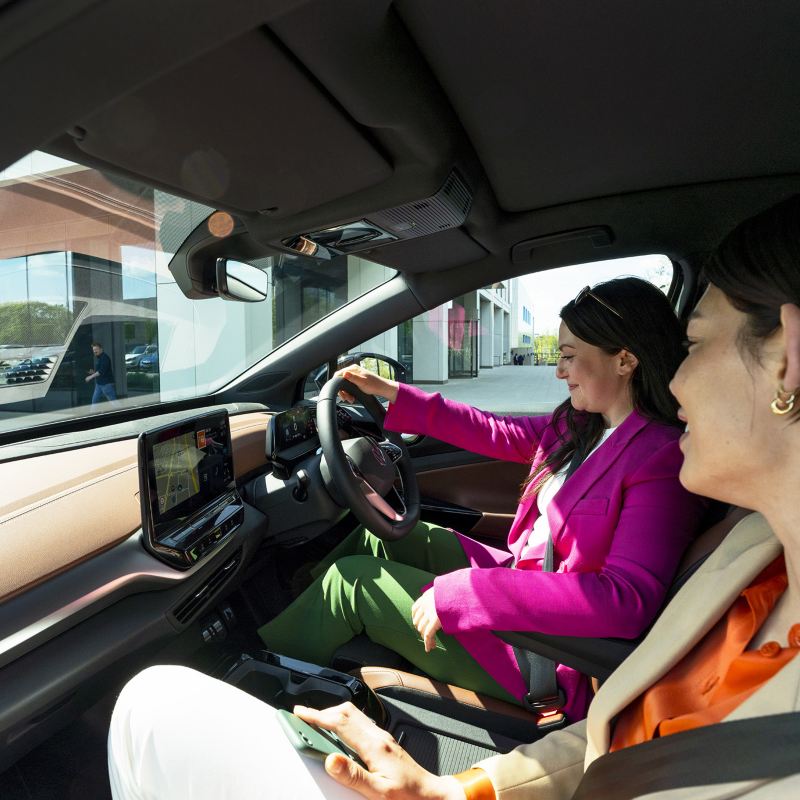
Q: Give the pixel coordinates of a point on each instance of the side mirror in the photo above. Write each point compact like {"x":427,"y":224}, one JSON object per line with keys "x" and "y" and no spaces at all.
{"x":375,"y":362}
{"x":241,"y":282}
{"x":320,"y":376}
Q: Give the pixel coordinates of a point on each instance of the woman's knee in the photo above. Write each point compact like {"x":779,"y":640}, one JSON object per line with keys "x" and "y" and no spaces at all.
{"x":151,"y":688}
{"x":350,"y":569}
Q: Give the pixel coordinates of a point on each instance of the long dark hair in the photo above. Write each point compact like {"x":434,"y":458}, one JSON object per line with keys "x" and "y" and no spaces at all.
{"x":757,"y":267}
{"x":647,"y":327}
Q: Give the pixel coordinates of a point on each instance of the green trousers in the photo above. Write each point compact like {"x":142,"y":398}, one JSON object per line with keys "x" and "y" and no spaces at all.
{"x":366,"y":585}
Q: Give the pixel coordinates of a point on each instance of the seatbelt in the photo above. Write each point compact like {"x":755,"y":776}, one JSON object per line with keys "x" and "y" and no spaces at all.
{"x":762,"y":748}
{"x":544,"y":697}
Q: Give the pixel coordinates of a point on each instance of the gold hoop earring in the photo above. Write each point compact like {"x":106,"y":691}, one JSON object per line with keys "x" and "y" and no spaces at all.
{"x":784,"y":401}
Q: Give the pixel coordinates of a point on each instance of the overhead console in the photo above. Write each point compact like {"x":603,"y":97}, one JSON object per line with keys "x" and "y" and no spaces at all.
{"x":190,"y":504}
{"x":447,"y":209}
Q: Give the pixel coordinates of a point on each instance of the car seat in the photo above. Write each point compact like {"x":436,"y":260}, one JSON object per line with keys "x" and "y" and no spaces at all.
{"x":447,"y":729}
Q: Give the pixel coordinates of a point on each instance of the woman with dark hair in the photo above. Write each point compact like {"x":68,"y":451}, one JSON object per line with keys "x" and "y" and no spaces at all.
{"x":723,"y":651}
{"x":617,"y":527}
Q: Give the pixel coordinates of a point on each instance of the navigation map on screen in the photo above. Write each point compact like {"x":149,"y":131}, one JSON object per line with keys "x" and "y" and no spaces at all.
{"x":177,"y":477}
{"x":186,"y":478}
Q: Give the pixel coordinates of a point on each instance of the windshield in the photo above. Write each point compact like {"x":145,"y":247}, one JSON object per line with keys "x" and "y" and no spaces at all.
{"x":91,"y":318}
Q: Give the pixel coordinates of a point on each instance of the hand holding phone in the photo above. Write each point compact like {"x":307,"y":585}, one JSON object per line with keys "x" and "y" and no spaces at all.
{"x":312,"y":741}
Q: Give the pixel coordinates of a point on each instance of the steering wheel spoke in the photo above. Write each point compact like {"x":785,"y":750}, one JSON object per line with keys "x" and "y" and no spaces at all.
{"x":379,"y":503}
{"x":392,"y":451}
{"x":363,"y":472}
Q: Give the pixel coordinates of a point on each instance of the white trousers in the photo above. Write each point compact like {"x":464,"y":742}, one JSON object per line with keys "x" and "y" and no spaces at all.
{"x":177,"y":734}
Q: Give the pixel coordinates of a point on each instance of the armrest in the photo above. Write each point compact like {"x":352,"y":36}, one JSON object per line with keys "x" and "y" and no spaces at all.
{"x":600,"y":657}
{"x":597,"y":658}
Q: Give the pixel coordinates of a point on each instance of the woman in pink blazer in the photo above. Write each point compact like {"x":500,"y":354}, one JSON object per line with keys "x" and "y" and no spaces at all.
{"x":603,"y":485}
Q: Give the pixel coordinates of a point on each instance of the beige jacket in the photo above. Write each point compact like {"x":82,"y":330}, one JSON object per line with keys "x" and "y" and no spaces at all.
{"x":551,"y":768}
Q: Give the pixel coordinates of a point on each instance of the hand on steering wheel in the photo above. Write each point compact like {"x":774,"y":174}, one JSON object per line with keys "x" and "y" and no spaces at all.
{"x":361,"y":473}
{"x":369,"y":382}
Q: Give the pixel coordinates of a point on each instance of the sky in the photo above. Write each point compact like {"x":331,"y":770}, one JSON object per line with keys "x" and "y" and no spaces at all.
{"x":547,"y":292}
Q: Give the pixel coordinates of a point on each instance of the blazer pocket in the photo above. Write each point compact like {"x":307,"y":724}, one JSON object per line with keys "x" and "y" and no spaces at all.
{"x":591,"y":505}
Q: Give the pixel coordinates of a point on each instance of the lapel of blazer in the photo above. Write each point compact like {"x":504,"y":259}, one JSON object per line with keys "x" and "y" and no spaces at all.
{"x":747,"y":549}
{"x":593,"y":468}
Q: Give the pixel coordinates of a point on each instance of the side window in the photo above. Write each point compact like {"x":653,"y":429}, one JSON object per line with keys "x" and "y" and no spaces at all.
{"x":496,"y":348}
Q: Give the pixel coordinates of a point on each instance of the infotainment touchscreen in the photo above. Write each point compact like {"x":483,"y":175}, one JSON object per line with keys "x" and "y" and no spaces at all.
{"x":184,"y":468}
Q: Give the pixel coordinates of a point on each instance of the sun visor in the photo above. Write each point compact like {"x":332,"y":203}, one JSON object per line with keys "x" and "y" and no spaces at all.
{"x":242,"y":127}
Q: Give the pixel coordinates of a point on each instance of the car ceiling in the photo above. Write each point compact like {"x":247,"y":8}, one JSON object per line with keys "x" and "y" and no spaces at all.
{"x":661,"y":123}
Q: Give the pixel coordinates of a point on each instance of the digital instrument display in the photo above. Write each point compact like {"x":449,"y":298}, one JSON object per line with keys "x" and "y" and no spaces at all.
{"x":292,"y":434}
{"x":294,"y":426}
{"x":183,"y":468}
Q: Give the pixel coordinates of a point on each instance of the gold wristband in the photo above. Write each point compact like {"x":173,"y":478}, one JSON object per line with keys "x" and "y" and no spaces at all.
{"x":476,"y":784}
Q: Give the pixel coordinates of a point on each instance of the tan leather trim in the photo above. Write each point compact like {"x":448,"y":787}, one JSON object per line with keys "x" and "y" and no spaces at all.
{"x":55,"y":533}
{"x":249,"y":435}
{"x":381,"y":677}
{"x":34,"y":480}
{"x":60,"y":509}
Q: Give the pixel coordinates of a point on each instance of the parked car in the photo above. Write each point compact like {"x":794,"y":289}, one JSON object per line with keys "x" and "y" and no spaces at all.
{"x":29,"y":370}
{"x":148,"y":362}
{"x":424,"y":151}
{"x":132,"y":358}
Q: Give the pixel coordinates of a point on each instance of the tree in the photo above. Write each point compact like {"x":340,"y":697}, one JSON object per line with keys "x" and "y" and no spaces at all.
{"x":151,"y":331}
{"x":545,"y":345}
{"x":31,"y":323}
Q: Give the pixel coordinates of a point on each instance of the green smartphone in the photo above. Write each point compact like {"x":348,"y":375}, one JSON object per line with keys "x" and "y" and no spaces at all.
{"x":312,"y":741}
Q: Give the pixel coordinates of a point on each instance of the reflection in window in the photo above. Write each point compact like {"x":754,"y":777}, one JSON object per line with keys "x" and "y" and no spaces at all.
{"x":85,"y":257}
{"x":36,"y":302}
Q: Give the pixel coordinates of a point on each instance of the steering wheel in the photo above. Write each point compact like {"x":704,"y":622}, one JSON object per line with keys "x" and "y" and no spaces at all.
{"x":363,"y":470}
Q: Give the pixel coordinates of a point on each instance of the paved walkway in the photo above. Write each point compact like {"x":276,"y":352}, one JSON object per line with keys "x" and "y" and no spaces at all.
{"x":513,"y":390}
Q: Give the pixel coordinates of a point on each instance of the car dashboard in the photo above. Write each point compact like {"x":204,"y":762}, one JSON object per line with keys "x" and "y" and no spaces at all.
{"x":292,"y":434}
{"x":87,"y":508}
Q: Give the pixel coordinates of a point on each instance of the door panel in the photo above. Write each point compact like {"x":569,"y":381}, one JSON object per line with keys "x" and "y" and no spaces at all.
{"x":451,"y":476}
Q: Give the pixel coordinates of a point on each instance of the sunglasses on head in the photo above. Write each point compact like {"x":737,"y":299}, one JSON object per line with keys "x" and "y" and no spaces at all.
{"x":587,"y":292}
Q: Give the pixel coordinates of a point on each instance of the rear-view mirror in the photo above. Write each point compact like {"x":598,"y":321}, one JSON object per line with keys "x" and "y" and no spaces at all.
{"x":241,"y":282}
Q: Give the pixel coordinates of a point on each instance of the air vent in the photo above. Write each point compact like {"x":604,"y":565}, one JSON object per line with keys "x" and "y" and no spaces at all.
{"x":192,"y":605}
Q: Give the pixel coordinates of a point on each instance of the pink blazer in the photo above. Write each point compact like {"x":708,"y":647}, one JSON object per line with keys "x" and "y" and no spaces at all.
{"x":620,"y":525}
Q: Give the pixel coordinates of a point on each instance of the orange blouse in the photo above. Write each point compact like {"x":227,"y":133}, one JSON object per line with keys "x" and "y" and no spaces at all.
{"x":718,"y":674}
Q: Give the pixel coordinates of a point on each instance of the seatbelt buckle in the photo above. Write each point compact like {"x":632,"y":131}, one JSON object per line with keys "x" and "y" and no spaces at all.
{"x":549,"y":711}
{"x":545,"y":706}
{"x":551,"y":722}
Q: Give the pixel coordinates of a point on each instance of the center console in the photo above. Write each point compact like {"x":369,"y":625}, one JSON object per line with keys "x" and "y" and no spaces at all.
{"x":284,"y":682}
{"x":190,"y":504}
